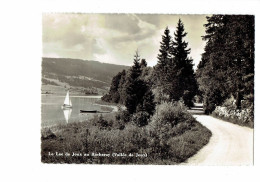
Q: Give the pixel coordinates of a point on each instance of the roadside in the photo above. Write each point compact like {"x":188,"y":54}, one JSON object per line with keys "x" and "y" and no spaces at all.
{"x":230,"y":144}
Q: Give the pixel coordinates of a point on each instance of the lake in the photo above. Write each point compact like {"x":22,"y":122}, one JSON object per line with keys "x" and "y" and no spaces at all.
{"x":53,"y":114}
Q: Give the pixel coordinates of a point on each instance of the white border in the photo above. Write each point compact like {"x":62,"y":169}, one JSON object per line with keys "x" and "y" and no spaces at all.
{"x":20,"y":80}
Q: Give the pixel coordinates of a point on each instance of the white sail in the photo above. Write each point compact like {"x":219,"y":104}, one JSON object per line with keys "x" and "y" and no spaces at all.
{"x":67,"y":99}
{"x":67,"y":113}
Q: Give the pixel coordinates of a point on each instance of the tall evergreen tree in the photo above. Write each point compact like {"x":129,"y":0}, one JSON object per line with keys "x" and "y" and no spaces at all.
{"x":227,"y":66}
{"x":138,"y":93}
{"x":132,"y":84}
{"x":183,"y":83}
{"x":161,"y":68}
{"x":121,"y":86}
{"x":143,"y":63}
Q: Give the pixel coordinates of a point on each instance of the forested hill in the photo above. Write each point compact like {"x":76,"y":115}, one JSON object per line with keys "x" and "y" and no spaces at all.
{"x":78,"y":73}
{"x":75,"y":67}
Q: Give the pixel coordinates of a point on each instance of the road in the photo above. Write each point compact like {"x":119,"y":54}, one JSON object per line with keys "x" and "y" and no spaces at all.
{"x":230,"y":144}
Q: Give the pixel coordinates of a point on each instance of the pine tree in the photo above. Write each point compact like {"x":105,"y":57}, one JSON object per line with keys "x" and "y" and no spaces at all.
{"x":139,"y":97}
{"x":183,"y":82}
{"x":161,"y":68}
{"x":143,"y":64}
{"x":121,"y":86}
{"x":132,"y":84}
{"x":227,"y":66}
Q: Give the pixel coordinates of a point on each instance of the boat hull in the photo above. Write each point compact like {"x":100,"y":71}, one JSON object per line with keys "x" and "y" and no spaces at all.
{"x":86,"y":111}
{"x":66,"y":107}
{"x":92,"y":111}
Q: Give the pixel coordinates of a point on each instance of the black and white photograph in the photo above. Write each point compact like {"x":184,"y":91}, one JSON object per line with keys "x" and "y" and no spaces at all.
{"x":147,"y":89}
{"x":128,"y":91}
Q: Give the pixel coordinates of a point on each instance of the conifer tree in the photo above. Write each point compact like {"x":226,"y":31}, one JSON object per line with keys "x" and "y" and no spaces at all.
{"x":161,"y":68}
{"x":174,"y":70}
{"x":139,"y":97}
{"x":227,"y":66}
{"x":132,"y":84}
{"x":143,"y":63}
{"x":182,"y":74}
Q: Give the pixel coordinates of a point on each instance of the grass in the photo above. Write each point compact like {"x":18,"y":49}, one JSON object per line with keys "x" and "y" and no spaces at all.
{"x":130,"y":145}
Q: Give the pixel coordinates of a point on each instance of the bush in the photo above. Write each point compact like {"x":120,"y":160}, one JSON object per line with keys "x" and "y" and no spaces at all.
{"x":47,"y":134}
{"x":162,"y":143}
{"x":141,"y":118}
{"x":159,"y":95}
{"x":106,"y":98}
{"x":102,"y":123}
{"x":229,"y":112}
{"x":172,"y":113}
{"x":187,"y":98}
{"x":123,"y":116}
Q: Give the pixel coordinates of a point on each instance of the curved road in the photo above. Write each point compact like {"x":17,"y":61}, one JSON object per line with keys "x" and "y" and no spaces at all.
{"x":230,"y":144}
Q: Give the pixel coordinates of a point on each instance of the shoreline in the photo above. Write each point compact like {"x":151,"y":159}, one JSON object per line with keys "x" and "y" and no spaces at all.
{"x":72,"y":95}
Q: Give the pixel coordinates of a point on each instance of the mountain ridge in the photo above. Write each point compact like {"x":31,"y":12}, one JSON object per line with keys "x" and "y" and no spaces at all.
{"x":77,"y":73}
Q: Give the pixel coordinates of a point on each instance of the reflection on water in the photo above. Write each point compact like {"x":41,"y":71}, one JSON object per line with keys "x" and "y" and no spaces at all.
{"x":67,"y":113}
{"x":53,"y":114}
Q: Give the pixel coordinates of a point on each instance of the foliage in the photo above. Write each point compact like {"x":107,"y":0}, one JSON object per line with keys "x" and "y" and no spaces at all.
{"x":132,"y":89}
{"x":161,"y":69}
{"x":229,"y":112}
{"x":172,"y":113}
{"x":159,"y":146}
{"x":141,"y":118}
{"x":182,"y":66}
{"x":102,"y":123}
{"x":48,"y":82}
{"x":123,"y":116}
{"x":227,"y":65}
{"x":174,"y":70}
{"x":74,"y":67}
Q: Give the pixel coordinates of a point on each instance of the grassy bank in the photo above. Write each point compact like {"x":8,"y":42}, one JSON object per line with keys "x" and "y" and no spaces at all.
{"x":237,"y":121}
{"x":107,"y":142}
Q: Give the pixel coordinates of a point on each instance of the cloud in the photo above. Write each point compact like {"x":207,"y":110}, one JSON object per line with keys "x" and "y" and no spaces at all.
{"x":125,"y":23}
{"x":115,"y":37}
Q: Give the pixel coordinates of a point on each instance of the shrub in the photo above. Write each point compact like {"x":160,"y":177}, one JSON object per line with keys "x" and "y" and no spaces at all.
{"x":102,"y":123}
{"x":229,"y":112}
{"x":106,"y":98}
{"x":172,"y":113}
{"x":118,"y":124}
{"x":159,"y":95}
{"x":47,"y":134}
{"x":141,"y":118}
{"x":123,"y":116}
{"x":187,"y":98}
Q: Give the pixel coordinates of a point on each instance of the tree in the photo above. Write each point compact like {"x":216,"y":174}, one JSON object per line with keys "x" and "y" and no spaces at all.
{"x":174,"y":70}
{"x":114,"y":92}
{"x":143,"y":64}
{"x":121,"y":86}
{"x":227,"y":65}
{"x":183,"y":76}
{"x":132,"y":84}
{"x":161,"y":68}
{"x":139,"y":97}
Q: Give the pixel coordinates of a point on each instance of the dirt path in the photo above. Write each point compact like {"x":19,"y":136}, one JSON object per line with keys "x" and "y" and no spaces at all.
{"x":230,"y":144}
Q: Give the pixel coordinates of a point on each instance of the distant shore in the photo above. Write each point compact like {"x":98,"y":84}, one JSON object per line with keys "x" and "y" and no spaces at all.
{"x":73,"y":95}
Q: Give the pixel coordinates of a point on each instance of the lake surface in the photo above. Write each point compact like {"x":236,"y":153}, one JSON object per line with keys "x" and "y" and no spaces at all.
{"x":52,"y":113}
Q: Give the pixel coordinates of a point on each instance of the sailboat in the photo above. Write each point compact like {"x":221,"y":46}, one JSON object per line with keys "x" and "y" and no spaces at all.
{"x":67,"y":102}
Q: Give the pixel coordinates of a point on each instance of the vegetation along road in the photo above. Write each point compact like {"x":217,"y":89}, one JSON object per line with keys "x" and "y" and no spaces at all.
{"x":230,"y":144}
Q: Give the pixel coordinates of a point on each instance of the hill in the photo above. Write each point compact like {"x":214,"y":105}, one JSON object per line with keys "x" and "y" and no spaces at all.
{"x":81,"y":76}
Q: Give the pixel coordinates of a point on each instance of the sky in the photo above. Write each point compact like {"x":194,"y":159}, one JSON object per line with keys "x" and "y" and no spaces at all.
{"x":114,"y":38}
